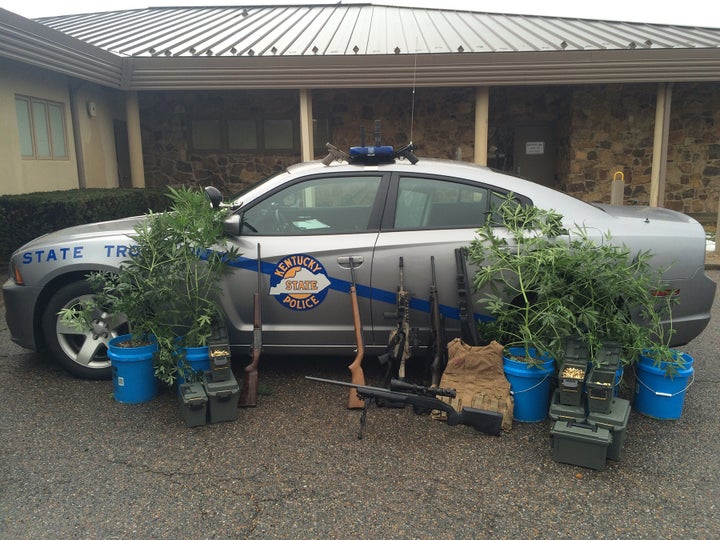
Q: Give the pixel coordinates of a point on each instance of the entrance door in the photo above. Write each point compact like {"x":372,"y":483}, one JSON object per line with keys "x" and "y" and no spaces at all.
{"x":535,"y":153}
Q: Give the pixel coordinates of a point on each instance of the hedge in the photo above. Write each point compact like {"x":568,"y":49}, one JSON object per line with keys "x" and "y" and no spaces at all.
{"x":24,"y":217}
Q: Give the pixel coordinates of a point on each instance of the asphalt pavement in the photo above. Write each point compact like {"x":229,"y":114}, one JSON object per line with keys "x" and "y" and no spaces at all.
{"x":74,"y":463}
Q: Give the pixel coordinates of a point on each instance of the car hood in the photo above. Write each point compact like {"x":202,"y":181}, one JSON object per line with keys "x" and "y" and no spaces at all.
{"x":117,"y":227}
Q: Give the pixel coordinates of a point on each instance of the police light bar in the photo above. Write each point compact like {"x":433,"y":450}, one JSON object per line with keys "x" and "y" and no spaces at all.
{"x":372,"y":151}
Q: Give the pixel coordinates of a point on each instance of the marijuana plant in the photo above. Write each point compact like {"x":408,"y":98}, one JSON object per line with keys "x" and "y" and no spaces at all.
{"x":543,"y":283}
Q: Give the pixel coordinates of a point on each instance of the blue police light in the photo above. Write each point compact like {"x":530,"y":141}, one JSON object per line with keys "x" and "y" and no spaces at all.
{"x":377,"y":152}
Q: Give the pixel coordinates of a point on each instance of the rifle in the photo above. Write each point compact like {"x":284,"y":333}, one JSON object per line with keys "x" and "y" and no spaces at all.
{"x":438,"y":333}
{"x":398,"y":344}
{"x":356,"y":371}
{"x":248,"y":395}
{"x":468,"y":327}
{"x":424,"y":398}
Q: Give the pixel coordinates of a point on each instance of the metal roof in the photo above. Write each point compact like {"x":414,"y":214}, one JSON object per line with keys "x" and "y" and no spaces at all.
{"x":358,"y":29}
{"x":353,"y":46}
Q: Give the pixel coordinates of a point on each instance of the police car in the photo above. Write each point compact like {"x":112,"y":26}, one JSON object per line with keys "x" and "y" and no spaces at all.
{"x":312,"y":220}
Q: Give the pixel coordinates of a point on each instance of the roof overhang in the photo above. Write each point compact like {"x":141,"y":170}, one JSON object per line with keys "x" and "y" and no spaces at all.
{"x":32,"y":43}
{"x":462,"y":69}
{"x":35,"y":44}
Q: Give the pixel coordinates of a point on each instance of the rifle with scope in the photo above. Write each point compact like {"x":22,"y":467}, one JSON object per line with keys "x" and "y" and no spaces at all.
{"x":423,"y":398}
{"x":398,"y":349}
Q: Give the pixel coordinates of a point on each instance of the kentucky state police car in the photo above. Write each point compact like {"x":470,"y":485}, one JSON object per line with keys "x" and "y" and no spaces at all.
{"x":310,"y":220}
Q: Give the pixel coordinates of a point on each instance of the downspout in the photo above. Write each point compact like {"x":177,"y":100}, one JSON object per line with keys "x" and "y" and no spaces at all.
{"x":307,"y":146}
{"x":660,"y":145}
{"x":132,"y":115}
{"x":482,"y":107}
{"x":77,"y":136}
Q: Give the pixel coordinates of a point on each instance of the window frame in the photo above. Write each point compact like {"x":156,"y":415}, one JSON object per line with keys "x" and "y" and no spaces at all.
{"x":376,"y":207}
{"x":262,"y":124}
{"x":389,"y":216}
{"x":56,"y":136}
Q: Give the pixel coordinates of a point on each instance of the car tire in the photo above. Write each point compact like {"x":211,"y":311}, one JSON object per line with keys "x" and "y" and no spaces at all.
{"x":83,"y":353}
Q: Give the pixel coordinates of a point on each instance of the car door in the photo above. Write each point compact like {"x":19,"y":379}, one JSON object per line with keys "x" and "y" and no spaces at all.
{"x":427,"y":218}
{"x":309,"y":230}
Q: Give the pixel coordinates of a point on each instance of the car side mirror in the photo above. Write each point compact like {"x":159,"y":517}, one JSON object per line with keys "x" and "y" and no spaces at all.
{"x":232,"y":225}
{"x":214,"y":195}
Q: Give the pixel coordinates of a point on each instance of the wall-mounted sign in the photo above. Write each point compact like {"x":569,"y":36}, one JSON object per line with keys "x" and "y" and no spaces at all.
{"x":534,"y":148}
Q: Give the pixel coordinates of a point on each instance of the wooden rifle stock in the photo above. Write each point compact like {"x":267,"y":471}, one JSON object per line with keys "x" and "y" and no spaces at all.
{"x":248,"y":395}
{"x":356,"y":372}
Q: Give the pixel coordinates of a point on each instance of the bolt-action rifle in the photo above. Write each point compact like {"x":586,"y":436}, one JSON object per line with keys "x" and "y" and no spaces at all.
{"x":398,"y":350}
{"x":439,"y":347}
{"x":424,"y":398}
{"x":357,"y":376}
{"x":468,"y":327}
{"x":248,"y":394}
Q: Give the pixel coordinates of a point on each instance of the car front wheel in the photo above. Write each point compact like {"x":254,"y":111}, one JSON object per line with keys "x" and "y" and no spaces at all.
{"x":82,"y":352}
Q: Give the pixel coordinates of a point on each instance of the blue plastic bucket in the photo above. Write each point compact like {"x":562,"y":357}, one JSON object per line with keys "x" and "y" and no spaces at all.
{"x":197,"y":359}
{"x":656,"y":393}
{"x":529,"y":385}
{"x":133,"y":373}
{"x":618,"y":379}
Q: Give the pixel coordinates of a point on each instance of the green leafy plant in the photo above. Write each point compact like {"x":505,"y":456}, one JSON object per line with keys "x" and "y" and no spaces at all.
{"x":543,"y":283}
{"x":168,"y":288}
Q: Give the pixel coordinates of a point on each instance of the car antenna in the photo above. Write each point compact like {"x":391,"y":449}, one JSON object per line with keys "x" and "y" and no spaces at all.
{"x":412,"y":99}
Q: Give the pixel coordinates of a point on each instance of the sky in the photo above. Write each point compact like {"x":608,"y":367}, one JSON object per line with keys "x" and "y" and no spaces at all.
{"x":679,"y":12}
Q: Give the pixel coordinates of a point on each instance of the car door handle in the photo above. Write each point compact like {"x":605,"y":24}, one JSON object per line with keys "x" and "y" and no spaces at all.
{"x":357,"y":260}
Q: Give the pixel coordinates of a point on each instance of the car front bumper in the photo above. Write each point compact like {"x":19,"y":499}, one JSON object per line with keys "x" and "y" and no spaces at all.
{"x":19,"y":313}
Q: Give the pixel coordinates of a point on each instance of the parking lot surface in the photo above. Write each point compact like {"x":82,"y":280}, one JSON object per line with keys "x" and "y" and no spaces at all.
{"x":74,"y":463}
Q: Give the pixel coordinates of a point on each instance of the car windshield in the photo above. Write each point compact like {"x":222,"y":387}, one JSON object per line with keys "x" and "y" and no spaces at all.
{"x":235,"y":196}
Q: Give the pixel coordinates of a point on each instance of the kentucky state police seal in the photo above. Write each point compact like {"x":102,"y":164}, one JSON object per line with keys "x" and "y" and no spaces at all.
{"x":299,"y":282}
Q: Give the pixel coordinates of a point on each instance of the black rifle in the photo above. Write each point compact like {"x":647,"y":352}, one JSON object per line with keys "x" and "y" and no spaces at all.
{"x":398,"y":350}
{"x":439,"y":348}
{"x":468,"y":327}
{"x":484,"y":421}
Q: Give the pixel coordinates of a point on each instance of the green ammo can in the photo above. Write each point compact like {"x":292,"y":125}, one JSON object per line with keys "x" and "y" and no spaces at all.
{"x":581,"y":444}
{"x":222,"y":396}
{"x":616,"y":421}
{"x":193,"y":404}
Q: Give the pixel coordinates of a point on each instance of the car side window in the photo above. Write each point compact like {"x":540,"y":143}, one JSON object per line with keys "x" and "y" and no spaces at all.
{"x":427,"y":203}
{"x":327,"y":205}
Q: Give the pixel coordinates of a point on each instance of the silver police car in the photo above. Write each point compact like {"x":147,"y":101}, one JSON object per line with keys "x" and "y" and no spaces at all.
{"x":311,"y":220}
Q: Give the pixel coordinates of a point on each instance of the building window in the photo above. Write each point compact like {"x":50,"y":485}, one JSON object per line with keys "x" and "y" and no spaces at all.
{"x":254,"y":135}
{"x":206,"y":134}
{"x":41,"y":127}
{"x":242,"y":135}
{"x":278,"y":134}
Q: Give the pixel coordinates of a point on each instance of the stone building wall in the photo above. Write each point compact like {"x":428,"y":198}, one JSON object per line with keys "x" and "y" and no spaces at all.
{"x":611,"y":129}
{"x":599,"y":129}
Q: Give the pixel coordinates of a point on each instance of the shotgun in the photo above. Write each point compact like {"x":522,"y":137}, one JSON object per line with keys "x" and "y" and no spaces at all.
{"x":424,"y":398}
{"x":248,"y":395}
{"x":357,"y":376}
{"x":439,"y":360}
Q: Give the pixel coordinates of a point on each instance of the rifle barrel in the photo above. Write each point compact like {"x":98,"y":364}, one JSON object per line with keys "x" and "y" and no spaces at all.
{"x":396,"y":384}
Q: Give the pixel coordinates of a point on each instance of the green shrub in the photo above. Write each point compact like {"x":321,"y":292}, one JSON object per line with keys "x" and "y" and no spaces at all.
{"x":24,"y":217}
